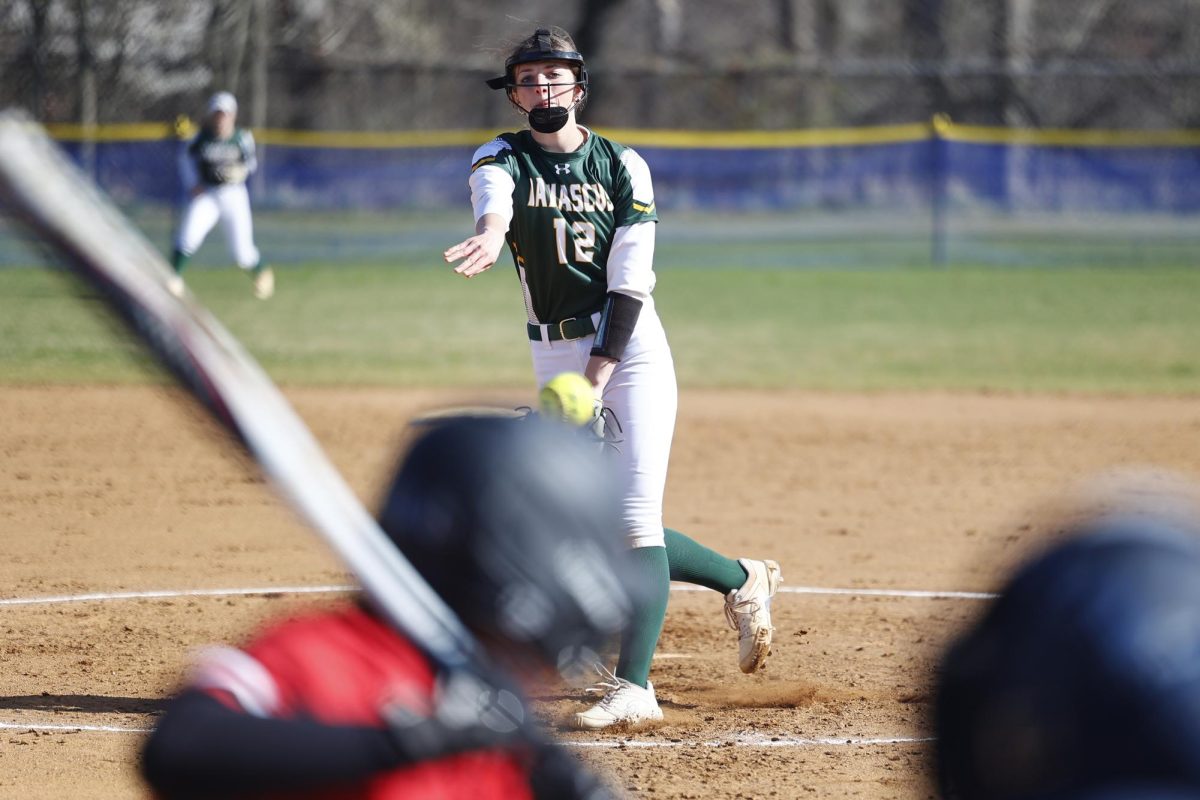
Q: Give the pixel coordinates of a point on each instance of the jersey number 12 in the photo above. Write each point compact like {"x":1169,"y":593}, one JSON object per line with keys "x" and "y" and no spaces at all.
{"x":583,"y":235}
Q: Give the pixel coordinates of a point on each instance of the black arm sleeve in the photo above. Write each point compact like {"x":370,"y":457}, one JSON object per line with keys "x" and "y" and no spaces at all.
{"x":202,"y":748}
{"x":617,"y":322}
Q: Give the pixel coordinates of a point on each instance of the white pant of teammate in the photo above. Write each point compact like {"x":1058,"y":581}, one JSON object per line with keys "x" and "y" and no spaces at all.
{"x":229,"y":203}
{"x":643,"y":395}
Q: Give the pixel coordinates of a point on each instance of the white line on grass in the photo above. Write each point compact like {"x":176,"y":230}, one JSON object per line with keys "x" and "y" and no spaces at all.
{"x":165,"y":594}
{"x":735,"y":741}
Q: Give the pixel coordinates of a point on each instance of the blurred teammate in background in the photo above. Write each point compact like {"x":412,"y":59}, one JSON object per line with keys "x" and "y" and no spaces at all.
{"x":511,"y":522}
{"x":1082,"y":682}
{"x":213,"y":168}
{"x":577,"y":212}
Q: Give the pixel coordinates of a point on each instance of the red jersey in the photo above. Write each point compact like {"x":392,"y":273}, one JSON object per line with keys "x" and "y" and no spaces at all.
{"x":341,"y":668}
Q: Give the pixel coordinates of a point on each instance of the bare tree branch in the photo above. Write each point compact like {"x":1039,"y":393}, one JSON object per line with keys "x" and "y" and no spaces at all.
{"x":38,"y":11}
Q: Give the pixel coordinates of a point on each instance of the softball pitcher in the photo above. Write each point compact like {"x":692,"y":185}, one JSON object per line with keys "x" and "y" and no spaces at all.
{"x":577,"y":212}
{"x":214,"y":167}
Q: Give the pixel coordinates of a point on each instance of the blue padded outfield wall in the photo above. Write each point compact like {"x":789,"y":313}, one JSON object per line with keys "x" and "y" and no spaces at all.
{"x":905,"y":195}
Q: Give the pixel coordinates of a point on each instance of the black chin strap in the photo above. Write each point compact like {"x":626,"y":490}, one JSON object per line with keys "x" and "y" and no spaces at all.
{"x":550,"y":119}
{"x":549,"y":114}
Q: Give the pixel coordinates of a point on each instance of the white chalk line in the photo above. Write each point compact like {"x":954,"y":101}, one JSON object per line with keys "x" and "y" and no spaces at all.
{"x":739,"y":741}
{"x":922,"y":593}
{"x":735,"y":741}
{"x":167,"y":594}
{"x":160,"y":594}
{"x":757,"y":741}
{"x":16,"y":726}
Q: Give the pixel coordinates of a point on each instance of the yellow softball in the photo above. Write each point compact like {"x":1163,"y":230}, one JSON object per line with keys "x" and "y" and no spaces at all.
{"x":568,"y":396}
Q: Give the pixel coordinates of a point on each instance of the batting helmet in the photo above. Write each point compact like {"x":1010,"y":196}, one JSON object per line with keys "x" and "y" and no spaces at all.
{"x":1084,"y":676}
{"x":515,"y":523}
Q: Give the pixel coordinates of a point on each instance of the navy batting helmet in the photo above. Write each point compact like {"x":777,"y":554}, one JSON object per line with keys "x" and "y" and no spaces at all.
{"x":515,"y":523}
{"x":1084,"y":676}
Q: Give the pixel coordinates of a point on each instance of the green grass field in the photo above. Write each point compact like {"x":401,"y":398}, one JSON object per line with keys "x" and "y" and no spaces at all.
{"x":1027,"y":330}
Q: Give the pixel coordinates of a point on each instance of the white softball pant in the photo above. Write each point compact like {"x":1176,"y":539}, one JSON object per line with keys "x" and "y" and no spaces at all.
{"x":643,"y":395}
{"x":230,"y":204}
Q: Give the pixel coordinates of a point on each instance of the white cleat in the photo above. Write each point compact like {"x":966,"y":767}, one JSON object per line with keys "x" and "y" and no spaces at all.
{"x":175,"y":285}
{"x":748,"y":610}
{"x":623,"y":702}
{"x":264,"y":284}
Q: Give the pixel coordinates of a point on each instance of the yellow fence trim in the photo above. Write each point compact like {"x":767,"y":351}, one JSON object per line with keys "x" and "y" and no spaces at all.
{"x":940,"y":126}
{"x":374,"y":140}
{"x":629,"y":136}
{"x":134,"y":132}
{"x":749,"y":140}
{"x":1061,"y":137}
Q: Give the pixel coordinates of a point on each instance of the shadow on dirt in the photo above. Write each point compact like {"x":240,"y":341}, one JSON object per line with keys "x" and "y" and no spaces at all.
{"x":85,"y":703}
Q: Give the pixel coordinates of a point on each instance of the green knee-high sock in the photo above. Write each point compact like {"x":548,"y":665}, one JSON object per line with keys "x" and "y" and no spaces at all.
{"x":692,"y":562}
{"x":648,"y":568}
{"x":179,"y":260}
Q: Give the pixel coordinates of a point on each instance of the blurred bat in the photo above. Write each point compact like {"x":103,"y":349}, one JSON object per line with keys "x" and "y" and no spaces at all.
{"x":67,"y":213}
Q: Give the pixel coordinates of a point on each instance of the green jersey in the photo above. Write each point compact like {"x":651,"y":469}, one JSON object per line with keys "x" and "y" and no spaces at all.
{"x":216,"y":162}
{"x":566,"y":210}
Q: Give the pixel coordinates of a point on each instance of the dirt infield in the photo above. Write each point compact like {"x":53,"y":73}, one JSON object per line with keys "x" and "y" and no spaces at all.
{"x":126,"y":489}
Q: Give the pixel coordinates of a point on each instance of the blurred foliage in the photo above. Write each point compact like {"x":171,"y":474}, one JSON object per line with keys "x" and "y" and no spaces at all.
{"x":769,"y":64}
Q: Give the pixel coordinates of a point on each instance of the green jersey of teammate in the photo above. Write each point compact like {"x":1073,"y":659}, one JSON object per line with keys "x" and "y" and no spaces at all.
{"x":216,"y":160}
{"x":566,"y":209}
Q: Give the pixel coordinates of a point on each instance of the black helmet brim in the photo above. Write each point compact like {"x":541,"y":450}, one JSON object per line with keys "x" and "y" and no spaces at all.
{"x":543,"y":52}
